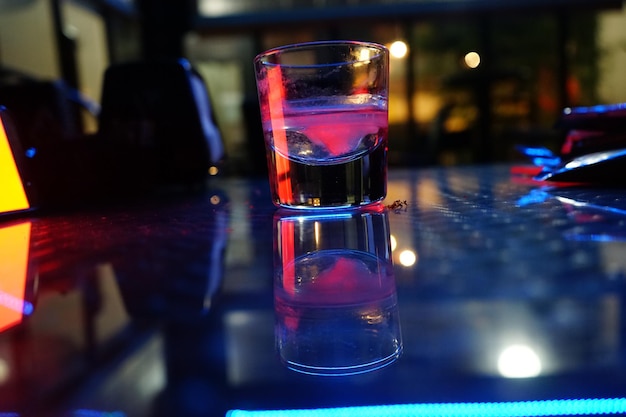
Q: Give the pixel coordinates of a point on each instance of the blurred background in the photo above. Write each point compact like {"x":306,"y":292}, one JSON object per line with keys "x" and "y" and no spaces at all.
{"x":470,"y":79}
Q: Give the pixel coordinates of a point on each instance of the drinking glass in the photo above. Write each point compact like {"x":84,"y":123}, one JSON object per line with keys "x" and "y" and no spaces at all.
{"x":334,"y":293}
{"x":325,"y":121}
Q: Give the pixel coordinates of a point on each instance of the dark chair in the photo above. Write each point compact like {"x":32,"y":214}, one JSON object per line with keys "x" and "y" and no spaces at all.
{"x":157,"y":116}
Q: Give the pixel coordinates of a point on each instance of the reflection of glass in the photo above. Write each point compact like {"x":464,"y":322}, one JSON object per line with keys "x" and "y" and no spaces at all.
{"x":335,"y":294}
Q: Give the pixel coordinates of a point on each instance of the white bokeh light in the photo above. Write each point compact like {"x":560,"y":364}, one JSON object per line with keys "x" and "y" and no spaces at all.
{"x":407,"y":258}
{"x":398,"y":49}
{"x":519,"y":361}
{"x":472,"y":59}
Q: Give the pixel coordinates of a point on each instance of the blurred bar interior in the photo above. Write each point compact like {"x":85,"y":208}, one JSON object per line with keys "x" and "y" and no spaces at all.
{"x":470,"y":79}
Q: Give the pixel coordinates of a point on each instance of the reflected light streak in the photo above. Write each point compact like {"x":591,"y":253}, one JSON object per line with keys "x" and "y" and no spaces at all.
{"x":393,"y":242}
{"x":317,"y":226}
{"x":519,"y":361}
{"x":287,"y":248}
{"x":485,"y":409}
{"x":276,"y":98}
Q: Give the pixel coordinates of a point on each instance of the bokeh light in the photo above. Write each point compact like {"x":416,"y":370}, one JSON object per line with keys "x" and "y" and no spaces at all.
{"x":407,"y":258}
{"x":519,"y":361}
{"x":398,"y":49}
{"x":472,"y":59}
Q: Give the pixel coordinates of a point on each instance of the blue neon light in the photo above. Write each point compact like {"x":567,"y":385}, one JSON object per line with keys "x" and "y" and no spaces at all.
{"x":587,"y":205}
{"x":28,"y":308}
{"x":533,"y":197}
{"x":536,"y":151}
{"x":97,"y":413}
{"x":16,"y":304}
{"x":486,"y":409}
{"x":600,"y":108}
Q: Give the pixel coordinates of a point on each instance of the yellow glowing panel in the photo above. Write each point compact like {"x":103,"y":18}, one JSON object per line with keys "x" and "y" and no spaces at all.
{"x":12,"y":194}
{"x":14,"y":247}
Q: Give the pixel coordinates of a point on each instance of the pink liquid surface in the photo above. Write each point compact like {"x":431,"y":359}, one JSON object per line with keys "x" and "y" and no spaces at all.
{"x":326,"y":132}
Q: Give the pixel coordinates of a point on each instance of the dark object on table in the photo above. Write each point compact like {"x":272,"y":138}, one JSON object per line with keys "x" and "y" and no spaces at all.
{"x":594,"y":149}
{"x":596,"y":168}
{"x":156,"y":131}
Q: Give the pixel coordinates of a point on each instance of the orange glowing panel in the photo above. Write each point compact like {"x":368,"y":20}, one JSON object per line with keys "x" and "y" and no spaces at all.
{"x":12,"y":194}
{"x":14,"y":247}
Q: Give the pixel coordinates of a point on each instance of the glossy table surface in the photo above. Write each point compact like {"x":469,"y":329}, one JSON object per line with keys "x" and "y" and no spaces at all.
{"x":507,"y":291}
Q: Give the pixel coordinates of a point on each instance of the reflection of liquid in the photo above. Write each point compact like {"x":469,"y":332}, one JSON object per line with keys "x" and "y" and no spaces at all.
{"x":336,"y":306}
{"x":339,"y":277}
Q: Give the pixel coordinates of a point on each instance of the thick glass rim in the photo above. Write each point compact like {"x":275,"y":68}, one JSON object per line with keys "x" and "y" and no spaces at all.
{"x":259,"y":59}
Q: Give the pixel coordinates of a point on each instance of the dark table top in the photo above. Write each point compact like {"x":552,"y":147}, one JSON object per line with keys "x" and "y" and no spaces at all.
{"x":507,"y":291}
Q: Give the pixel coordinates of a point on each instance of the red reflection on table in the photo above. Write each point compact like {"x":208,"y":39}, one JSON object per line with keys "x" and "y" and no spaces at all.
{"x":14,"y":250}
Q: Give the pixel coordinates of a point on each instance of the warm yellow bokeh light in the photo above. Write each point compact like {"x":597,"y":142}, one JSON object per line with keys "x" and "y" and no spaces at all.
{"x":407,"y":258}
{"x":472,"y":59}
{"x":398,"y":49}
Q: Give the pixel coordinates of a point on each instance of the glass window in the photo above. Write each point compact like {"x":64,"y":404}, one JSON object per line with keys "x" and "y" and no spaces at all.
{"x":469,"y":88}
{"x":27,"y":40}
{"x":86,"y":29}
